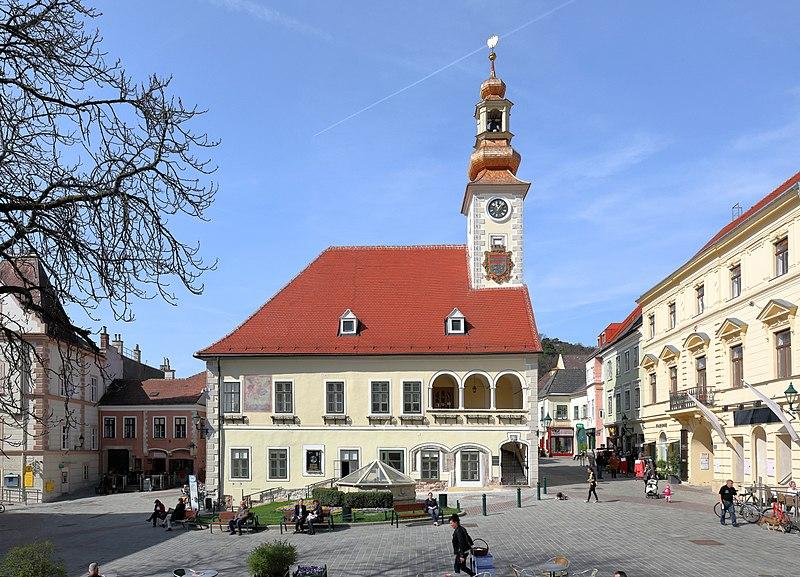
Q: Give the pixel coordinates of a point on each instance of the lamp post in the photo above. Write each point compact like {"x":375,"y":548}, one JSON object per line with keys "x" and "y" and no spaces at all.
{"x":791,"y":397}
{"x":546,"y":422}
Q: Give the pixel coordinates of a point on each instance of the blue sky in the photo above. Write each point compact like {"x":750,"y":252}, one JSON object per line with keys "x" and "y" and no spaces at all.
{"x":639,"y":123}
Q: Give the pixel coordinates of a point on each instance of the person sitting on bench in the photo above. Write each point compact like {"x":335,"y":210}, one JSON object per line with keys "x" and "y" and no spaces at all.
{"x":314,"y":516}
{"x":159,"y":513}
{"x":299,"y":516}
{"x":432,"y":508}
{"x":178,"y":513}
{"x":241,"y":518}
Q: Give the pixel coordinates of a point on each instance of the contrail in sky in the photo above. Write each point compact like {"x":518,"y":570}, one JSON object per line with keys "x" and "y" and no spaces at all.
{"x":445,"y":67}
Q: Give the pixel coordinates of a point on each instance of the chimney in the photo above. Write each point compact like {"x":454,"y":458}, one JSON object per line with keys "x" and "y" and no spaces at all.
{"x":117,"y":342}
{"x":103,"y":339}
{"x":137,"y":353}
{"x":169,"y":373}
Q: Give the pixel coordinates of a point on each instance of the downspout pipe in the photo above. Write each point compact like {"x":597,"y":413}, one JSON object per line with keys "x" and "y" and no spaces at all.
{"x":220,"y":442}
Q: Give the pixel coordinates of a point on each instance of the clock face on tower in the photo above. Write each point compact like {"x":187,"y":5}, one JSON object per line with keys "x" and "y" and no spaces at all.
{"x":497,"y":208}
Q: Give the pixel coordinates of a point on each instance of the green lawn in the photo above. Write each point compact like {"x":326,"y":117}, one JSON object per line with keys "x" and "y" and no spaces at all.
{"x":272,"y":514}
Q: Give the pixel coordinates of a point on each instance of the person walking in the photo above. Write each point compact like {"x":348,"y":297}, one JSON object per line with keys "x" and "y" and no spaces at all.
{"x":462,"y":545}
{"x":592,"y":480}
{"x":726,"y":494}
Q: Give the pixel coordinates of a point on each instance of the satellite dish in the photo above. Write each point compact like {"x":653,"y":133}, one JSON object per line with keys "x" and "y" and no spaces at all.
{"x":492,"y":41}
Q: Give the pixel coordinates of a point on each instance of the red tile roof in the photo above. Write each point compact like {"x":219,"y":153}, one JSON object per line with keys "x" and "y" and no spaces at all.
{"x":401,"y":296}
{"x":155,"y":391}
{"x":751,"y":211}
{"x":620,"y":330}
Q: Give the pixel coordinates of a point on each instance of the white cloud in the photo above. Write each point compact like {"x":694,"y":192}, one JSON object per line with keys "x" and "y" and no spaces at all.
{"x":271,"y":16}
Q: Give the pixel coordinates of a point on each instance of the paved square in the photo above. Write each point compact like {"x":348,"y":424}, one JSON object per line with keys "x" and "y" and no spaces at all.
{"x":647,"y":538}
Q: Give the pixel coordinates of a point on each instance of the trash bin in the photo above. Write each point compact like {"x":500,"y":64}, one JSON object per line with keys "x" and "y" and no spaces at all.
{"x":347,"y":513}
{"x":442,"y":501}
{"x":209,"y":504}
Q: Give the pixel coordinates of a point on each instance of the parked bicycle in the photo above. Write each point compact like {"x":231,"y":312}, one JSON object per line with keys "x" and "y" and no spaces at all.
{"x":745,"y":511}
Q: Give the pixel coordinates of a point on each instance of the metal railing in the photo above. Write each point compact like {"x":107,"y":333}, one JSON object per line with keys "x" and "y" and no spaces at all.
{"x":680,"y":399}
{"x":327,"y":483}
{"x":19,"y":496}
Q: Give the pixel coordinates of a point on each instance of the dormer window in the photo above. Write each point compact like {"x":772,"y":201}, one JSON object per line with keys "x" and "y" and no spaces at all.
{"x":348,"y":323}
{"x":456,"y":325}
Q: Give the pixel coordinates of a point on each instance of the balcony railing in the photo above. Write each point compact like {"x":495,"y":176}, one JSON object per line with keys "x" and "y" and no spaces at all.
{"x":680,"y":399}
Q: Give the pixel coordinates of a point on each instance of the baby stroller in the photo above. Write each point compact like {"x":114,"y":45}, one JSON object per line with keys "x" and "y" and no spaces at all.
{"x":651,"y":489}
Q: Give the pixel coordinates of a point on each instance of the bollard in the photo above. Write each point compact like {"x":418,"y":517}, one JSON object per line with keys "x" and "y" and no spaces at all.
{"x":458,"y":505}
{"x":483,"y":504}
{"x":519,"y":497}
{"x":538,"y":491}
{"x":545,"y":485}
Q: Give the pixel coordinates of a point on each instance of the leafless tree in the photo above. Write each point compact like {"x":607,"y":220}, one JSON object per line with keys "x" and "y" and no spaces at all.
{"x":95,"y":170}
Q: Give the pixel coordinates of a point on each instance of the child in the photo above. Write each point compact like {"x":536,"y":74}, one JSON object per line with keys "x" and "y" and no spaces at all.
{"x":668,"y":493}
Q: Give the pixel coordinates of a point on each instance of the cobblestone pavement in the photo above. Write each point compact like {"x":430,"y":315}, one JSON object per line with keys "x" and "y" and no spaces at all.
{"x":647,"y":538}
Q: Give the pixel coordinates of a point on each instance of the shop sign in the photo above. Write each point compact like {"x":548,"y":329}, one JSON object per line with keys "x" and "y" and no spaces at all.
{"x":661,"y":425}
{"x":704,"y":461}
{"x":561,"y":432}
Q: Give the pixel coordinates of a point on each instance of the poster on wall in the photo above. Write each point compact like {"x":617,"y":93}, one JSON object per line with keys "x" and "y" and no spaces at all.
{"x":717,"y":466}
{"x":747,"y":468}
{"x":193,"y":496}
{"x":704,"y":462}
{"x":257,"y":393}
{"x":770,"y":467}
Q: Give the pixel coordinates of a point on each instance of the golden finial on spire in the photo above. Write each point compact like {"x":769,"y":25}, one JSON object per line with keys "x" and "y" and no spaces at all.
{"x":491,"y":43}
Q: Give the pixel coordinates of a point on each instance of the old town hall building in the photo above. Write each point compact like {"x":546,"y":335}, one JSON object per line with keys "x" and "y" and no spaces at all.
{"x":359,"y":359}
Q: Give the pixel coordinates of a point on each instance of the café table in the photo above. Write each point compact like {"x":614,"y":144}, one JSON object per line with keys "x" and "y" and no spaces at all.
{"x":552,"y":569}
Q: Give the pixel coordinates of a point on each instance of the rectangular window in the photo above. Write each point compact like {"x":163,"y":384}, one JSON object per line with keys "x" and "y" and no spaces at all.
{"x":635,"y":357}
{"x":231,"y":396}
{"x":673,"y":319}
{"x":610,"y":405}
{"x":93,"y":389}
{"x":429,"y":465}
{"x":180,"y":427}
{"x":783,"y":348}
{"x":618,"y":402}
{"x":380,"y":398}
{"x":637,"y":398}
{"x":619,"y":365}
{"x":129,"y":427}
{"x":159,"y":427}
{"x":394,"y":458}
{"x":334,"y":398}
{"x":240,"y":463}
{"x":497,"y":240}
{"x":653,"y":390}
{"x":627,"y":399}
{"x":541,"y":413}
{"x":278,"y":464}
{"x":562,"y":412}
{"x":470,"y":466}
{"x":93,"y":438}
{"x":583,"y":412}
{"x":86,"y":472}
{"x":700,"y":367}
{"x":673,"y":379}
{"x":736,"y":281}
{"x":455,"y":326}
{"x":575,"y":412}
{"x":700,"y":295}
{"x":651,"y":322}
{"x":314,"y":462}
{"x":283,"y":397}
{"x":412,"y":397}
{"x":782,"y":257}
{"x":109,"y":427}
{"x":627,"y":361}
{"x":65,"y":437}
{"x":737,"y":366}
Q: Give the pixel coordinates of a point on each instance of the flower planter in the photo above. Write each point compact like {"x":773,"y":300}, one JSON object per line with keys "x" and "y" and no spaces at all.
{"x":311,"y":571}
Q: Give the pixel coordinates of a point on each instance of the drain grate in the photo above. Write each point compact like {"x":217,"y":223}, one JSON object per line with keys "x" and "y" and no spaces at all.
{"x":704,"y":542}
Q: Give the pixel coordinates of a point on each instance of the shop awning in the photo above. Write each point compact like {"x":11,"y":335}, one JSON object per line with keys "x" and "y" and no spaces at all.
{"x":775,"y":408}
{"x":754,"y":416}
{"x":712,"y":419}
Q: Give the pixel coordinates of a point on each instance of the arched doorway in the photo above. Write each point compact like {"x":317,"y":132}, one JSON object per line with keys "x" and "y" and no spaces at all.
{"x":701,"y":469}
{"x":662,"y":447}
{"x":444,"y":392}
{"x":514,"y":463}
{"x":758,"y":450}
{"x":508,"y":392}
{"x":477,"y":392}
{"x":783,"y":453}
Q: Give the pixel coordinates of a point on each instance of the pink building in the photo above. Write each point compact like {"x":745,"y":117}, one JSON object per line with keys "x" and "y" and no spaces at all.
{"x":154,"y":427}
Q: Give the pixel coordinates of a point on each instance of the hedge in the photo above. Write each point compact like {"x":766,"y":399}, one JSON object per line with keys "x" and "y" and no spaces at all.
{"x":356,"y":499}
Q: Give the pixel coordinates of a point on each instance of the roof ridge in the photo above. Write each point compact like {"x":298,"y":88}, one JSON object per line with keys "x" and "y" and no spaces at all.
{"x":394,"y":247}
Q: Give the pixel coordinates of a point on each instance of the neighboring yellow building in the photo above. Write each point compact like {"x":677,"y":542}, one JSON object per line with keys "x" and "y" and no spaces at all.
{"x":423,"y":357}
{"x":725,"y":316}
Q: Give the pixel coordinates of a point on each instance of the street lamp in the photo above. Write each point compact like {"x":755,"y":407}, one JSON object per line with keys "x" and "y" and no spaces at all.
{"x":624,"y":428}
{"x":791,"y":396}
{"x":199,"y":423}
{"x":546,"y":421}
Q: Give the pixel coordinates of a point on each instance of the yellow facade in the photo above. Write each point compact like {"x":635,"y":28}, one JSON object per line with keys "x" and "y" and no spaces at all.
{"x":734,"y":318}
{"x":493,"y":419}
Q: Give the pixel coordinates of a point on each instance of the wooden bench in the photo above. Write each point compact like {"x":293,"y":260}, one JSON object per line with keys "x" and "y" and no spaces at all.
{"x":223,"y":518}
{"x":412,"y":511}
{"x":190,"y":519}
{"x":326,"y":521}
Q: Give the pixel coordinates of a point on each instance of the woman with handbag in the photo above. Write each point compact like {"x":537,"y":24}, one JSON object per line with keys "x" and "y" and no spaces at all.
{"x":462,"y":544}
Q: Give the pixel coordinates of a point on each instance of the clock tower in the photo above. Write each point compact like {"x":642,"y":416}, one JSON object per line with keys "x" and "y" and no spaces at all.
{"x":494,"y":195}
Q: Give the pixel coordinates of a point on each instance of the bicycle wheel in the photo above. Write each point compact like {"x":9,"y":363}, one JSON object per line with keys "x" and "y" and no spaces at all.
{"x":718,"y":509}
{"x":750,"y":513}
{"x":2,"y":508}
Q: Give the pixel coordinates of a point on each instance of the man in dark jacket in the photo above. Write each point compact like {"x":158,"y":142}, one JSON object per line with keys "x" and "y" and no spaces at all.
{"x":159,"y":513}
{"x":299,"y":516}
{"x":316,"y":515}
{"x":178,"y":513}
{"x":462,"y":544}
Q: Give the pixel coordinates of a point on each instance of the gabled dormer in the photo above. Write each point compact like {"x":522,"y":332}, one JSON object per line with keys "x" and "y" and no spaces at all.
{"x":348,"y":324}
{"x":455,"y":324}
